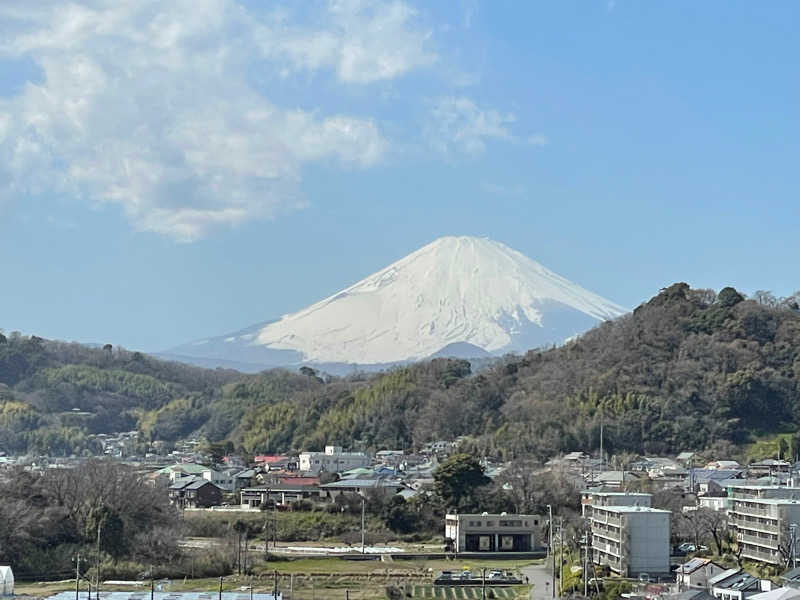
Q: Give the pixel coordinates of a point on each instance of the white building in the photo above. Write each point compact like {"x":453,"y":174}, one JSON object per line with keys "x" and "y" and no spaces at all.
{"x":762,"y":527}
{"x":333,"y":460}
{"x":491,"y":533}
{"x":6,"y":581}
{"x":735,"y":584}
{"x":591,"y":498}
{"x":630,"y":540}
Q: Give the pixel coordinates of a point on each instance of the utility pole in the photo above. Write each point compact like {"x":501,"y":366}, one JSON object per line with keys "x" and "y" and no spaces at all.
{"x":152,"y":584}
{"x":266,"y":538}
{"x":586,"y":564}
{"x":220,"y":588}
{"x":97,"y":563}
{"x":550,"y":548}
{"x":275,"y":585}
{"x":77,"y":575}
{"x":363,"y":521}
{"x":560,"y":556}
{"x":483,"y":584}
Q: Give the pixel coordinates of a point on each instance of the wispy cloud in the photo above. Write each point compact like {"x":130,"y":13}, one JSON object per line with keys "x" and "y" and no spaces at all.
{"x":147,"y":105}
{"x":362,"y":41}
{"x":456,"y":125}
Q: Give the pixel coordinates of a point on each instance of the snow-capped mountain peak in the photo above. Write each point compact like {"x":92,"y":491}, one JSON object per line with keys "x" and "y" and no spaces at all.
{"x":455,"y":290}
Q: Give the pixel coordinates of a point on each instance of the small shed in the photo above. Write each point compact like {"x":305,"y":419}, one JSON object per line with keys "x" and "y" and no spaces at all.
{"x":6,"y":581}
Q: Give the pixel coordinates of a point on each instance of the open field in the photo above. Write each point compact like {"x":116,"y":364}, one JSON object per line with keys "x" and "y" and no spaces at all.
{"x":319,"y":578}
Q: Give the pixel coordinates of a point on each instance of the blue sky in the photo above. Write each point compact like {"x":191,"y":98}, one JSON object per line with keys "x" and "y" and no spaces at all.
{"x":170,"y":171}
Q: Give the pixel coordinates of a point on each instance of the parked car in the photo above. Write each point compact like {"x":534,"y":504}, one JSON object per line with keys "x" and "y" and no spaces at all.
{"x":687,"y":547}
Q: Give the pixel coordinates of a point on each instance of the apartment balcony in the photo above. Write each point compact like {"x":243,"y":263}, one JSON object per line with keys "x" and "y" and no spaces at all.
{"x":607,"y":533}
{"x":739,"y":508}
{"x":598,"y":516}
{"x":602,"y":547}
{"x":765,"y":541}
{"x":767,"y":557}
{"x":749,"y":524}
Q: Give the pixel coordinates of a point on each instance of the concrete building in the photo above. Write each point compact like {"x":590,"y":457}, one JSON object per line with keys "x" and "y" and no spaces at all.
{"x":630,"y":540}
{"x":333,"y":460}
{"x":746,"y":491}
{"x":491,"y":533}
{"x":762,"y":527}
{"x":591,"y":498}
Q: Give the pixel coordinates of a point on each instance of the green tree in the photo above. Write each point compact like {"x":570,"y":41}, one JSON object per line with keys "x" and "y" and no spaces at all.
{"x":457,"y":480}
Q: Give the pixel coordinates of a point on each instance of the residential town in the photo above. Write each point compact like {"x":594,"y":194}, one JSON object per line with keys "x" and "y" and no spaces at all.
{"x":634,"y":522}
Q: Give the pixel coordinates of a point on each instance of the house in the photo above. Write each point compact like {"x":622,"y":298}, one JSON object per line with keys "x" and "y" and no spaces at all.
{"x":390,"y":457}
{"x":243,"y":479}
{"x":653,"y":462}
{"x":614,"y":479}
{"x":685,"y":457}
{"x":716,"y":465}
{"x":333,"y":460}
{"x":631,"y":540}
{"x":722,"y":503}
{"x":735,"y":584}
{"x":6,"y":581}
{"x":791,"y":578}
{"x":361,"y":487}
{"x":781,"y":593}
{"x":491,"y":533}
{"x":194,"y":492}
{"x":768,"y":467}
{"x":710,"y":481}
{"x":278,"y":494}
{"x":695,"y":573}
{"x":693,"y":594}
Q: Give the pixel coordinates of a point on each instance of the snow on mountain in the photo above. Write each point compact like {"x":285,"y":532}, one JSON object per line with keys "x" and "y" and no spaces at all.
{"x":456,"y":291}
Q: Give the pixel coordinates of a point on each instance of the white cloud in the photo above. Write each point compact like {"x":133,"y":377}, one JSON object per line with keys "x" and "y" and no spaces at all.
{"x":146,"y":105}
{"x":459,"y":126}
{"x":363,"y":41}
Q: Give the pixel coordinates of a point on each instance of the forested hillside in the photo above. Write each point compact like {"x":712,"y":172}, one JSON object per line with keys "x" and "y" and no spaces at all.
{"x":690,"y":369}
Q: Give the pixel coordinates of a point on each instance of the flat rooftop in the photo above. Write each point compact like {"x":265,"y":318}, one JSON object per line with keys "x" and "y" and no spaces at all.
{"x":631,"y":509}
{"x":592,"y":492}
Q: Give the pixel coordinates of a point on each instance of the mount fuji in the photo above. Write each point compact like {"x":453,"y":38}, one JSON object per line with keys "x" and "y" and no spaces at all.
{"x":457,"y":296}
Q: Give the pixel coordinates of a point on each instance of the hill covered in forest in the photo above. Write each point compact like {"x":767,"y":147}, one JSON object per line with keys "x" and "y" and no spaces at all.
{"x":688,"y":370}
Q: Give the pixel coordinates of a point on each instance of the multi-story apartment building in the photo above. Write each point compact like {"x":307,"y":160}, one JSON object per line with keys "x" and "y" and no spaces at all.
{"x":630,"y":540}
{"x":591,"y":498}
{"x":764,"y":527}
{"x":764,"y":492}
{"x":333,"y":460}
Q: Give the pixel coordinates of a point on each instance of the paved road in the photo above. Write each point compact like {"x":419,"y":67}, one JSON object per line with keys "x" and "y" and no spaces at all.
{"x":539,"y":576}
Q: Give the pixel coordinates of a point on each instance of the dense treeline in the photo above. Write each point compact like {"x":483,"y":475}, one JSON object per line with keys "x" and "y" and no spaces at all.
{"x":690,"y":369}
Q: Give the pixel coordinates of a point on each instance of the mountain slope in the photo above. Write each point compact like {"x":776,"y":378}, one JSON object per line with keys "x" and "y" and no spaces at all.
{"x":455,"y":290}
